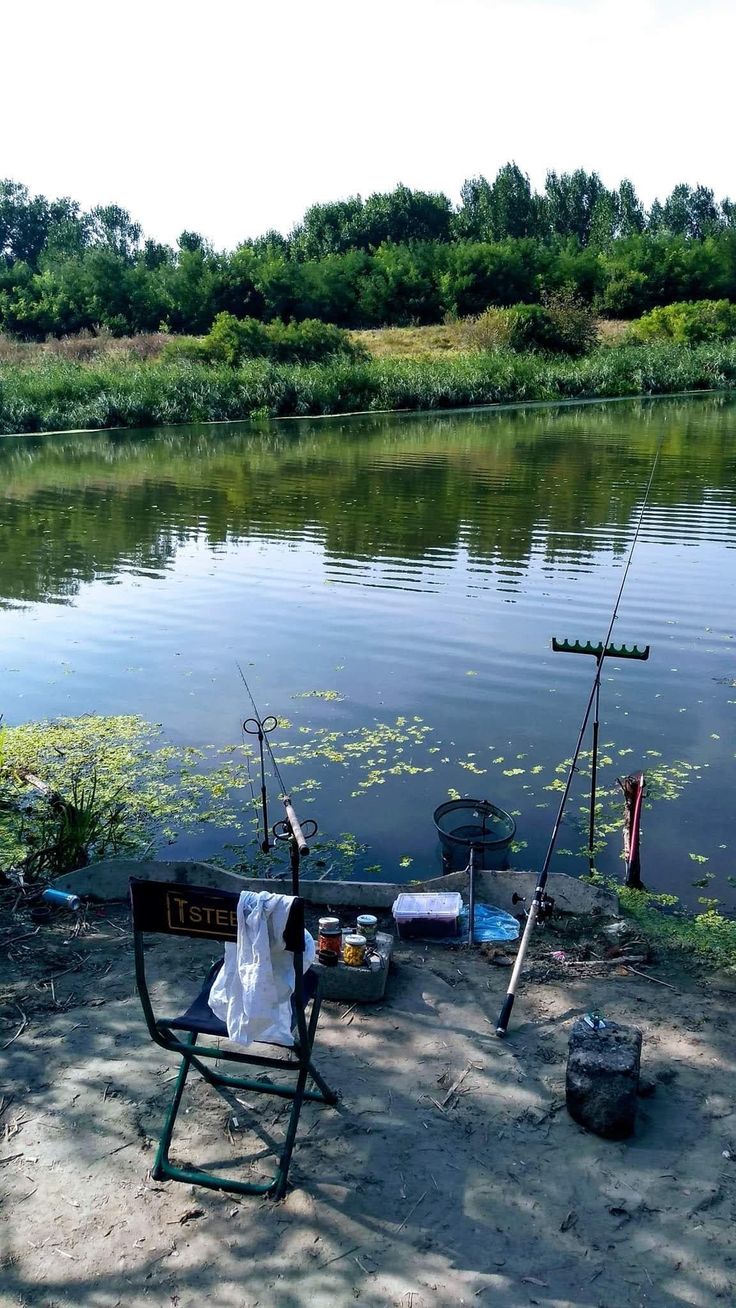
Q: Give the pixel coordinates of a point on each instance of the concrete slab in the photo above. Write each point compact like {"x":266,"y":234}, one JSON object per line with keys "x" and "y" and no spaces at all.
{"x":108,"y":882}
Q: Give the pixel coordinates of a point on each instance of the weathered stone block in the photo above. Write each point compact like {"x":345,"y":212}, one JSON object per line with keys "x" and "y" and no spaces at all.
{"x":603,"y":1078}
{"x":357,"y":985}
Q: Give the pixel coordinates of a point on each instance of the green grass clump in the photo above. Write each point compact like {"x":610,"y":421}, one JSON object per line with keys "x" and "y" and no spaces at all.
{"x":50,"y":394}
{"x":709,"y":936}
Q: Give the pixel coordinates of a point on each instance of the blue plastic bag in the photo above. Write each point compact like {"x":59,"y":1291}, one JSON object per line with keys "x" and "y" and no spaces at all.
{"x":491,"y":924}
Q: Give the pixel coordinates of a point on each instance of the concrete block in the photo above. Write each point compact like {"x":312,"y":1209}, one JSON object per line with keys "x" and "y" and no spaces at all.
{"x":602,"y":1082}
{"x":357,"y":985}
{"x":107,"y":881}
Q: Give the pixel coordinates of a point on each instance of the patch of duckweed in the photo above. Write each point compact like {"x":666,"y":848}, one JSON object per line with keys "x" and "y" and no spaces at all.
{"x":170,"y":790}
{"x":318,"y":694}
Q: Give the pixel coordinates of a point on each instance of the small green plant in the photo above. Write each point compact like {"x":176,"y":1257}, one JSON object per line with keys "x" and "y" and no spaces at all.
{"x":62,"y":834}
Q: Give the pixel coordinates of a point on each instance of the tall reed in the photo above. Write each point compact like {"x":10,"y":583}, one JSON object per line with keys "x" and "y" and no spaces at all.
{"x":50,"y":394}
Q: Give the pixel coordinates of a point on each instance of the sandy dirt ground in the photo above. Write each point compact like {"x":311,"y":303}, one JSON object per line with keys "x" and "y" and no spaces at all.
{"x":404,"y":1195}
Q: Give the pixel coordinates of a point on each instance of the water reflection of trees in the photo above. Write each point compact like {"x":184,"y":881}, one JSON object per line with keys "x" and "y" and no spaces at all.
{"x":501,"y":484}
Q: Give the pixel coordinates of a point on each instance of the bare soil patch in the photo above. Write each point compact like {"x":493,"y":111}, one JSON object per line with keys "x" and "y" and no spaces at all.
{"x":450,"y":1172}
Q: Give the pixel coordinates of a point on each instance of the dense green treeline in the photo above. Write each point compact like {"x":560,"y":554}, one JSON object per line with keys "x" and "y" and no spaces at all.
{"x":392,"y":259}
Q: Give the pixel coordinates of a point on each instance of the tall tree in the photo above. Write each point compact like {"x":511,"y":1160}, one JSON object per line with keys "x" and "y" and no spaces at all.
{"x":404,"y":215}
{"x":511,"y":205}
{"x":570,"y":202}
{"x":329,"y":228}
{"x":473,"y":220}
{"x":655,"y":218}
{"x":24,"y":223}
{"x":631,"y":217}
{"x":604,"y":221}
{"x":690,"y":212}
{"x":113,"y":229}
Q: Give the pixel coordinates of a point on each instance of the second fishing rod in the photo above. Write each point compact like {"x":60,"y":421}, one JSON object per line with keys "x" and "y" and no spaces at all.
{"x":288,"y":828}
{"x":541,"y":905}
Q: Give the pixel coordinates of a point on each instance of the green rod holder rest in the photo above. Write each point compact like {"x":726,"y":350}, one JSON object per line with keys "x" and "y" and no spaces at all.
{"x":612,"y":651}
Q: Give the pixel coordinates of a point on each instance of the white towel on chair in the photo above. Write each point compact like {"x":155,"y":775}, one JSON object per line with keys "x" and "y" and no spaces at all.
{"x":252,"y":991}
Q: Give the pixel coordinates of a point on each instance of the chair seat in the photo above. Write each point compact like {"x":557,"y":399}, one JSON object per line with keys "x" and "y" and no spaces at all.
{"x":199,"y":1016}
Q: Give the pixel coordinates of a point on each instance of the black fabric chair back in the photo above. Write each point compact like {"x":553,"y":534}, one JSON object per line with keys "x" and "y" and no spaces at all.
{"x":169,"y":908}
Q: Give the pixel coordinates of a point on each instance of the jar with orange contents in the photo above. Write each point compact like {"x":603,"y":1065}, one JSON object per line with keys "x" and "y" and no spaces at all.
{"x":329,"y":941}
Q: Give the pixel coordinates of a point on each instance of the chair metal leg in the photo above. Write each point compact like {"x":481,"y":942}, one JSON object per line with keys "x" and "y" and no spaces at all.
{"x":327,"y":1095}
{"x":288,"y":1149}
{"x":248,"y":1083}
{"x":275,"y":1186}
{"x":161,"y":1163}
{"x":313,"y":1016}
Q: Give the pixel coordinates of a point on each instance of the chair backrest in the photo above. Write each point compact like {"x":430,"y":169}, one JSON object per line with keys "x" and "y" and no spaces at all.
{"x":169,"y":908}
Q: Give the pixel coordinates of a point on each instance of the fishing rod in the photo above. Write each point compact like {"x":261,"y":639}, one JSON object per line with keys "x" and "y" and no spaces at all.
{"x":541,"y":905}
{"x":260,"y":727}
{"x":289,"y":828}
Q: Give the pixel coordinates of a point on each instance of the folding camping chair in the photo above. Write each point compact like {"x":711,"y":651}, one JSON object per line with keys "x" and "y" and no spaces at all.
{"x":172,"y":909}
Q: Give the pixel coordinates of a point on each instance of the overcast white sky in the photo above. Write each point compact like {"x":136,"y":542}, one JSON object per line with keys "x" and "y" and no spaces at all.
{"x":231,"y":116}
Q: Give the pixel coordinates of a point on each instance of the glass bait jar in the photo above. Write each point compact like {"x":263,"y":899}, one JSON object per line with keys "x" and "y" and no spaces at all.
{"x":354,"y":951}
{"x":367,"y":926}
{"x":330,"y":936}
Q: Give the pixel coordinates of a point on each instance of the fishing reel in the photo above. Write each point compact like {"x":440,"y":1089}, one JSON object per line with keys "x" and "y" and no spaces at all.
{"x":544,"y":911}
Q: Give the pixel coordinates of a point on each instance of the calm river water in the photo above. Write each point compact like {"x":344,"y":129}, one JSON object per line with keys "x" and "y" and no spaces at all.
{"x":412,"y":570}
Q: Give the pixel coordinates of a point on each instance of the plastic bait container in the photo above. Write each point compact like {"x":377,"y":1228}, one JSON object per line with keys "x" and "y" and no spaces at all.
{"x":427,"y":915}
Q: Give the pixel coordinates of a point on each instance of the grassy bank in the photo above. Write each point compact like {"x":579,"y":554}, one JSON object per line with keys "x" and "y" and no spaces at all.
{"x":49,"y":393}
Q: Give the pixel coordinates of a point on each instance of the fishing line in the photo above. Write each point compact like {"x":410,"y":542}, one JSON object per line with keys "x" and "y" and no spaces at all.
{"x":538,"y":903}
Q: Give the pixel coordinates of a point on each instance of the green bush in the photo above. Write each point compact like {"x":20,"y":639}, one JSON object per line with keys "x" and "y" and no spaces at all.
{"x":491,"y":330}
{"x":572,"y":322}
{"x":231,"y":340}
{"x":309,"y":342}
{"x":690,"y":322}
{"x":625,"y":295}
{"x":189,"y":349}
{"x":563,"y":325}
